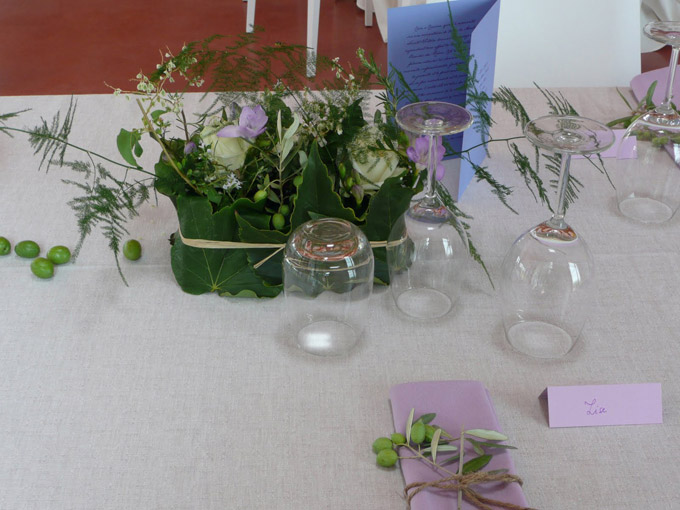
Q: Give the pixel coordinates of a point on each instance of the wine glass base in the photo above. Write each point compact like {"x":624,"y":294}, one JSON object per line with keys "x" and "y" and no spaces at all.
{"x":327,"y":338}
{"x":424,"y":303}
{"x":645,"y":210}
{"x":539,"y":339}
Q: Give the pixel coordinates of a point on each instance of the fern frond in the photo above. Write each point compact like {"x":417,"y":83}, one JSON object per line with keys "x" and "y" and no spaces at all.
{"x":107,"y":202}
{"x":462,"y":226}
{"x":557,"y":103}
{"x":508,"y":100}
{"x":52,"y":139}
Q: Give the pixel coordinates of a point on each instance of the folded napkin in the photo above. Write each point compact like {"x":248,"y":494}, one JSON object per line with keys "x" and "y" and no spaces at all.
{"x":640,"y":84}
{"x":457,"y":404}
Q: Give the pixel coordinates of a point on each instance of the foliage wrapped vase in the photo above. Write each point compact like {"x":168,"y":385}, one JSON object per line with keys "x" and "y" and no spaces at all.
{"x":243,"y":176}
{"x":234,"y":246}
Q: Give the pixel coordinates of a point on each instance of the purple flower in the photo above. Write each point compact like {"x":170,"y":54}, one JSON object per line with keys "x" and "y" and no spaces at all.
{"x":189,"y":147}
{"x":358,"y":193}
{"x":418,"y":154}
{"x":251,"y":124}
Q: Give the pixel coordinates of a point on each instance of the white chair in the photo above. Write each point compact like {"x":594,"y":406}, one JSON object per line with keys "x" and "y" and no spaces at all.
{"x":313,"y":7}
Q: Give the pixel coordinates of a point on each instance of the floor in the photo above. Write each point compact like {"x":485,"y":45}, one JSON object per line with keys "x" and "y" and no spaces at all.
{"x":80,"y":46}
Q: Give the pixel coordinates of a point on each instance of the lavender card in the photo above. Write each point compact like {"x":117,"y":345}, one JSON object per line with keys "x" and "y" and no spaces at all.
{"x":420,"y":47}
{"x":611,"y":404}
{"x":457,"y":404}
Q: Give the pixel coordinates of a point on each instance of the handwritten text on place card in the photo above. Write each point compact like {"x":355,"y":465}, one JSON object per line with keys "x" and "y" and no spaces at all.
{"x":610,"y":404}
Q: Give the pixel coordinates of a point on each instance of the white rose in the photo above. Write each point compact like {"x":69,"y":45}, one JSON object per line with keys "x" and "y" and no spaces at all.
{"x":229,"y":152}
{"x":373,"y":166}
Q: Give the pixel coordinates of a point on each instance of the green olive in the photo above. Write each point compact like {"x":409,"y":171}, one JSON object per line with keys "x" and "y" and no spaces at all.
{"x":387,"y":458}
{"x":418,"y":432}
{"x":42,"y":268}
{"x":398,"y":438}
{"x":27,"y":249}
{"x":297,"y":181}
{"x":429,"y":432}
{"x":260,"y":195}
{"x":278,"y":221}
{"x":59,"y":255}
{"x":660,"y":141}
{"x":382,"y":443}
{"x":5,"y":246}
{"x":643,"y":135}
{"x":132,"y":249}
{"x":284,"y":209}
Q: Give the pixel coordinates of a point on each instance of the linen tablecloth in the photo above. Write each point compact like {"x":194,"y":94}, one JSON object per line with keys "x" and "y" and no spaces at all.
{"x":145,"y":397}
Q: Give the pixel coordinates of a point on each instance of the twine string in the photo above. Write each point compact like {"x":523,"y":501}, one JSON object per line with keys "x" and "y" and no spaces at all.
{"x":241,"y":245}
{"x":463,"y":484}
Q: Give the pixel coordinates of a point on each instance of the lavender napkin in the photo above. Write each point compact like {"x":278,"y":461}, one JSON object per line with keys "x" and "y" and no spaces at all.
{"x":457,"y":403}
{"x":640,"y":84}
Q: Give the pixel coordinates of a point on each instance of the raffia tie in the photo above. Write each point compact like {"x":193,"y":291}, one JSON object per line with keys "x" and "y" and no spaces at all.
{"x":239,"y":245}
{"x":464,"y":483}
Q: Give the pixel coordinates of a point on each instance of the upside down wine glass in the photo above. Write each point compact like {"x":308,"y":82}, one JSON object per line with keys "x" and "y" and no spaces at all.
{"x":647,"y":176}
{"x":427,"y":248}
{"x":547,"y":274}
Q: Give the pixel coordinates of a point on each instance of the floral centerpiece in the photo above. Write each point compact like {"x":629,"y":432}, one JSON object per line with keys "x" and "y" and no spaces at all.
{"x":245,"y":174}
{"x":253,"y":166}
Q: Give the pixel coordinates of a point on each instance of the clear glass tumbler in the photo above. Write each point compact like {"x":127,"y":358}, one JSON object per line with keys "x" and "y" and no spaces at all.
{"x":328,"y":280}
{"x":647,"y":178}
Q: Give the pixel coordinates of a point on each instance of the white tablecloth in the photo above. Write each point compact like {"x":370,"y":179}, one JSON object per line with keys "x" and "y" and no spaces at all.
{"x":117,"y":397}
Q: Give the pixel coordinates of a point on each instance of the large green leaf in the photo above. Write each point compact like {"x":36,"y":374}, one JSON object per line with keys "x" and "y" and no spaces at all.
{"x":225,"y":271}
{"x":387,"y":206}
{"x":315,"y":194}
{"x":168,"y":182}
{"x":271,"y":269}
{"x":128,"y":146}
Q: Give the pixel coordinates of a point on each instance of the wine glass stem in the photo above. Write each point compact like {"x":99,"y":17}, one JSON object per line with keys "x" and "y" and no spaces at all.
{"x":557,"y":220}
{"x":431,"y":167}
{"x":666,"y":105}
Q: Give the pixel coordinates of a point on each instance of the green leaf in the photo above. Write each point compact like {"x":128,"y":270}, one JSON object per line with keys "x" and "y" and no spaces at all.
{"x":435,"y":443}
{"x":409,"y":424}
{"x":476,"y":447}
{"x":427,"y":418}
{"x":491,"y":435}
{"x":316,"y":194}
{"x":288,"y":138}
{"x":650,"y":93}
{"x":492,"y":445}
{"x":271,"y":269}
{"x":168,"y":182}
{"x":127,"y":141}
{"x":474,"y":465}
{"x":387,"y":206}
{"x":441,"y":448}
{"x":225,"y":271}
{"x":316,"y":216}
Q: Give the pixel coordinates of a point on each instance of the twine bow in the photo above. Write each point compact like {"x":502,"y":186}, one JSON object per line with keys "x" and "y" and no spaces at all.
{"x":463,"y":484}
